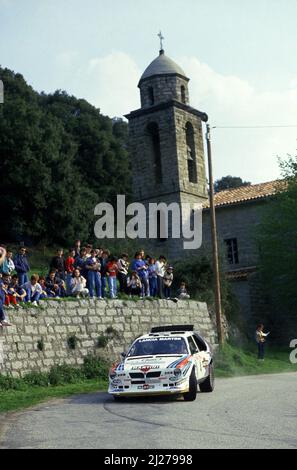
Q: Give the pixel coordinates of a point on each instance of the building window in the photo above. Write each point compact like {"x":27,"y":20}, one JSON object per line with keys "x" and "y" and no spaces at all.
{"x":232,"y":250}
{"x":183,"y":94}
{"x":154,"y":138}
{"x":191,"y":154}
{"x":151,"y":96}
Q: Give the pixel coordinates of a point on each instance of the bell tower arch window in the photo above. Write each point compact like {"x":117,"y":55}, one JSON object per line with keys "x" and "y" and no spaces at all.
{"x":183,"y":94}
{"x":191,"y":154}
{"x":151,"y":96}
{"x":154,"y":138}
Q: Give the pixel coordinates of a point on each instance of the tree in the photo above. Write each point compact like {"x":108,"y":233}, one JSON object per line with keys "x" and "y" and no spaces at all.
{"x":229,"y":182}
{"x":277,"y":238}
{"x":59,"y":157}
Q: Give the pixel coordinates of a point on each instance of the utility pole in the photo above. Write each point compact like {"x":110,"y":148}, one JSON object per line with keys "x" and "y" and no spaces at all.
{"x":215,"y":255}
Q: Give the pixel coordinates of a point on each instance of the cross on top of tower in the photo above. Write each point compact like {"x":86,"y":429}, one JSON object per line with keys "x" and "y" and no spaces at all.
{"x":161,"y":37}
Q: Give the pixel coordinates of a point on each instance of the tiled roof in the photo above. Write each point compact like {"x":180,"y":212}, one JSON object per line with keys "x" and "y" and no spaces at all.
{"x":248,"y":193}
{"x":240,"y":274}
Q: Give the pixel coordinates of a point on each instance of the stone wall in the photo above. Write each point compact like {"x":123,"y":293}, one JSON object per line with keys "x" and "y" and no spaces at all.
{"x":120,"y":321}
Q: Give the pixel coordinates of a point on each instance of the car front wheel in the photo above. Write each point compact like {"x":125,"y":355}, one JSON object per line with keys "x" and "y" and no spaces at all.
{"x":192,"y":393}
{"x":208,"y":384}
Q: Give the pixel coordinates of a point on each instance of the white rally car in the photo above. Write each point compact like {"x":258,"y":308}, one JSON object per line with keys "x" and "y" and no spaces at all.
{"x":169,"y":360}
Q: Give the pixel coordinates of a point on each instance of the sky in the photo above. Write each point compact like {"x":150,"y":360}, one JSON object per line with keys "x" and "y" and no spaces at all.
{"x":240,"y":57}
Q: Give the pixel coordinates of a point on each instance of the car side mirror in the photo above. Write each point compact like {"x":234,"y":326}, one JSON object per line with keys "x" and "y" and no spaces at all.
{"x":123,"y":355}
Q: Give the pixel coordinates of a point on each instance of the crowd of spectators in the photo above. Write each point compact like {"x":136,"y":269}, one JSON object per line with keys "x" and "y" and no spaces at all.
{"x":84,"y":272}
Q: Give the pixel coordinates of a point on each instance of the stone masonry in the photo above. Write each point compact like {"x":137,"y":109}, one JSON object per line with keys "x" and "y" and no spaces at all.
{"x":87,"y":320}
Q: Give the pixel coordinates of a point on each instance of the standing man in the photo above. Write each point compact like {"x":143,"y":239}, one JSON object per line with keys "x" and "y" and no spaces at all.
{"x":261,"y":340}
{"x":160,"y":271}
{"x":58,"y":264}
{"x":8,"y":265}
{"x":22,"y":266}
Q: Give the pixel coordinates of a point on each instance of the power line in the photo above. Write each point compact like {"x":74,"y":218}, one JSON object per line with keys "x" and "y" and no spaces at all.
{"x":254,"y":127}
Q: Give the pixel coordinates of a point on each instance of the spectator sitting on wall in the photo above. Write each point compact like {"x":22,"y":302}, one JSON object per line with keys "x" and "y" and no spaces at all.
{"x":33,"y":289}
{"x":55,"y":286}
{"x":3,"y":321}
{"x":134,"y":285}
{"x":43,"y":285}
{"x":22,"y":266}
{"x":8,"y":265}
{"x":78,"y":285}
{"x":58,"y":263}
{"x":20,"y":293}
{"x":182,"y":292}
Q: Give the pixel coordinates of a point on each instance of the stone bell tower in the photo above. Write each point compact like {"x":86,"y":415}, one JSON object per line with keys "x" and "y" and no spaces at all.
{"x":166,"y":143}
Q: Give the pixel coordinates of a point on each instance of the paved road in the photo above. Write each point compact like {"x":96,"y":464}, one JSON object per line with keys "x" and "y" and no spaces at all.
{"x":247,"y":412}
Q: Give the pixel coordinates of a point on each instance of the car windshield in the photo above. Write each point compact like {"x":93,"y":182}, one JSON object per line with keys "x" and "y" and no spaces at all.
{"x":154,"y":346}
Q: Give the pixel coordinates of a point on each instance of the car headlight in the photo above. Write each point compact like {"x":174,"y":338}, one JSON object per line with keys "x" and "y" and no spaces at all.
{"x":177,"y":372}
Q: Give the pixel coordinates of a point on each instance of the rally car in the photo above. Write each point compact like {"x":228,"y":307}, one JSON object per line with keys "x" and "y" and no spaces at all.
{"x":170,"y":360}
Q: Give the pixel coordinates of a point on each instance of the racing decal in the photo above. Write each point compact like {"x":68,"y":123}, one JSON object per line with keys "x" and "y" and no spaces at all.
{"x":145,"y":387}
{"x":145,"y":368}
{"x":179,"y":363}
{"x":120,"y":367}
{"x":185,"y":371}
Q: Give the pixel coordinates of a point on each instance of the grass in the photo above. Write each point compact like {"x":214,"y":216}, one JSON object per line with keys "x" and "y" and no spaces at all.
{"x":232,"y":361}
{"x":13,"y":400}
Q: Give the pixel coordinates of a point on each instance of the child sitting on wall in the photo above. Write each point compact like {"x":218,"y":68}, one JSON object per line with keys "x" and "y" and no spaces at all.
{"x":182,"y":292}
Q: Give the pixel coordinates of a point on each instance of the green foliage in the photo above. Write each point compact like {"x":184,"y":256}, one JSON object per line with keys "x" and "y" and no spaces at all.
{"x":72,"y":342}
{"x":277,"y":239}
{"x":228,"y":182}
{"x":40,"y":344}
{"x":94,"y":367}
{"x":197,"y":273}
{"x":102,"y":341}
{"x":59,"y":157}
{"x":11,"y":383}
{"x":64,"y":374}
{"x":231,"y":360}
{"x":37,"y":379}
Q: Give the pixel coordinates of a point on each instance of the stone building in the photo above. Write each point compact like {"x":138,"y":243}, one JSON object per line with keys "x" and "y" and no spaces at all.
{"x":238,"y":213}
{"x":168,"y":166}
{"x":166,"y":144}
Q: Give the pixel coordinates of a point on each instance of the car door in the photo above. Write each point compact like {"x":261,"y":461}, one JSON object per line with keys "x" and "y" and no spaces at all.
{"x":200,"y":368}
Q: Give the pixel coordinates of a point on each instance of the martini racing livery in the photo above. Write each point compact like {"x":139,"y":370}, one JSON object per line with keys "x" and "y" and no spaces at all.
{"x":170,"y":360}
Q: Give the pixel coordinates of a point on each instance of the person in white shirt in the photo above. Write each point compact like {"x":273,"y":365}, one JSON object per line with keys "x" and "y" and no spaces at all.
{"x":33,"y":289}
{"x":260,"y":337}
{"x":160,"y":271}
{"x":78,"y":285}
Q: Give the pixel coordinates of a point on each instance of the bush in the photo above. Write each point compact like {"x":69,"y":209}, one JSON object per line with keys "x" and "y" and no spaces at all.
{"x":64,"y":374}
{"x":94,"y":367}
{"x":10,"y":383}
{"x":37,"y":379}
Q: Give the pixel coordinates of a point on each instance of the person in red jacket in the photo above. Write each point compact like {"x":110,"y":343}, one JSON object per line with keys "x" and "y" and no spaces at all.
{"x":69,"y":267}
{"x":112,"y":271}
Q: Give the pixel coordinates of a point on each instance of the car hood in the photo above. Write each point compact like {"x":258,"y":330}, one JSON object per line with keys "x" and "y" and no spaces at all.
{"x":151,"y":363}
